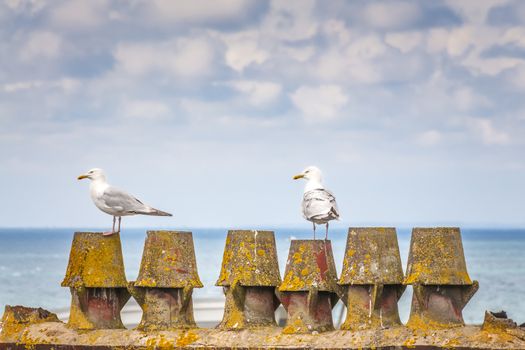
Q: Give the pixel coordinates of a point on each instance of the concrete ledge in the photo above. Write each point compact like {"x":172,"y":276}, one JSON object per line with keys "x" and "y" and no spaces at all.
{"x":55,"y":335}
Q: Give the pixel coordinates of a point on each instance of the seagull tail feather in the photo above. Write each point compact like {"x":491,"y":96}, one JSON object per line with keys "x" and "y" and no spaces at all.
{"x":156,"y":212}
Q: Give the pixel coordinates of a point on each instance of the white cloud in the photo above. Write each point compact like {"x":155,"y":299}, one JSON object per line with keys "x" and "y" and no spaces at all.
{"x":22,"y":85}
{"x":205,"y":114}
{"x":460,"y":40}
{"x":290,"y":20}
{"x":258,"y":92}
{"x":337,"y":30}
{"x":466,"y":99}
{"x":243,"y":50}
{"x":77,"y":14}
{"x":484,"y":129}
{"x":41,"y":44}
{"x":391,"y":14}
{"x":490,"y":66}
{"x":515,"y":36}
{"x":319,"y":104}
{"x":365,"y":48}
{"x":436,"y":40}
{"x":466,"y":46}
{"x":429,"y":138}
{"x":27,"y":6}
{"x":355,"y":62}
{"x":404,"y":41}
{"x":145,"y":109}
{"x":183,"y":57}
{"x":66,"y":84}
{"x":517,"y":76}
{"x":300,"y":54}
{"x":195,"y":10}
{"x":474,"y":11}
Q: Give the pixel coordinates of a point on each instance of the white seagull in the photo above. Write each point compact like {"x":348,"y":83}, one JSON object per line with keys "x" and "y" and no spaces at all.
{"x":318,"y":204}
{"x":115,"y":202}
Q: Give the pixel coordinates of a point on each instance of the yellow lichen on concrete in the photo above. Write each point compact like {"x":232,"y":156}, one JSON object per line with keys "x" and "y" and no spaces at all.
{"x":233,"y":318}
{"x":77,"y":318}
{"x":297,"y":326}
{"x":436,"y":257}
{"x":371,"y":256}
{"x":250,"y":259}
{"x":421,"y":323}
{"x":95,"y":261}
{"x":160,"y":342}
{"x":471,"y":337}
{"x":186,"y":339}
{"x":168,"y":261}
{"x":310,"y":264}
{"x":16,"y":319}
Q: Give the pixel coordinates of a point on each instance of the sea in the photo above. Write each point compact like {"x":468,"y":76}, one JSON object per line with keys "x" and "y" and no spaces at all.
{"x":33,"y":263}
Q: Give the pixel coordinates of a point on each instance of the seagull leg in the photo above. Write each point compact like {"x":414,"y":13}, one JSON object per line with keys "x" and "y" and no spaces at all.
{"x":112,"y":229}
{"x":314,"y":229}
{"x":119,"y":220}
{"x":326,"y":236}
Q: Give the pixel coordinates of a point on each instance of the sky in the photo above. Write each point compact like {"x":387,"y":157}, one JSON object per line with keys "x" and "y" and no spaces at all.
{"x":414,"y":110}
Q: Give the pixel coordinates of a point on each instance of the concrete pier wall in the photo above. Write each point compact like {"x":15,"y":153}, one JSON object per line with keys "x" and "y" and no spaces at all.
{"x":370,"y":285}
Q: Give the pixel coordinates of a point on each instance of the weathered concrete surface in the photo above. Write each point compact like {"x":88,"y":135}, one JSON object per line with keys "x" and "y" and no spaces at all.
{"x":167,"y":276}
{"x":371,"y":257}
{"x":249,"y":276}
{"x":310,"y":265}
{"x":372,"y":278}
{"x":250,"y":259}
{"x":17,"y":318}
{"x":469,"y":337}
{"x":95,"y":261}
{"x":436,"y":257}
{"x":438,"y":272}
{"x":439,"y":306}
{"x":164,"y":308}
{"x":95,"y":276}
{"x":168,"y":261}
{"x":309,"y":290}
{"x":371,"y":306}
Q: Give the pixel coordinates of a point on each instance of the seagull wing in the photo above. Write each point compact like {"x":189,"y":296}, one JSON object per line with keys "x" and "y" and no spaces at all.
{"x":320,"y":204}
{"x":123,"y":202}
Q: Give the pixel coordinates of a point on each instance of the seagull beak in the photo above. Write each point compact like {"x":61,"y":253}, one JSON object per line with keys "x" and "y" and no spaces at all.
{"x":300,"y":176}
{"x":82,"y":177}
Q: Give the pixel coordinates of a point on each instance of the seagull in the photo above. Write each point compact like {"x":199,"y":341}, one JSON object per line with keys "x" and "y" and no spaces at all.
{"x":318,"y":204}
{"x":115,"y":202}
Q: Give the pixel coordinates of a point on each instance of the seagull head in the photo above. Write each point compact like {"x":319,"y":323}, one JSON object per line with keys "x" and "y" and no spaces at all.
{"x":310,"y":173}
{"x":93,"y":174}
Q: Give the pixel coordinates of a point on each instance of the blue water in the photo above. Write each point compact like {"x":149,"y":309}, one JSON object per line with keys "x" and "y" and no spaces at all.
{"x":33,"y":263}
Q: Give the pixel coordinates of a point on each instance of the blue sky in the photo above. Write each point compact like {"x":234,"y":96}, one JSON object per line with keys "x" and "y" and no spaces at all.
{"x":414,"y":110}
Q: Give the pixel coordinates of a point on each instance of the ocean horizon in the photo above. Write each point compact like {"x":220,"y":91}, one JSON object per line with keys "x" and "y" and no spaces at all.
{"x":33,"y":263}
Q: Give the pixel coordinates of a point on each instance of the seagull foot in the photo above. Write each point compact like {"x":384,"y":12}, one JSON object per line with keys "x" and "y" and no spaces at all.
{"x":109,"y":233}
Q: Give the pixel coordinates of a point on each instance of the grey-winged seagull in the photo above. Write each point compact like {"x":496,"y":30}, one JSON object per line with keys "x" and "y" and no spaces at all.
{"x":318,"y":205}
{"x":115,"y":202}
